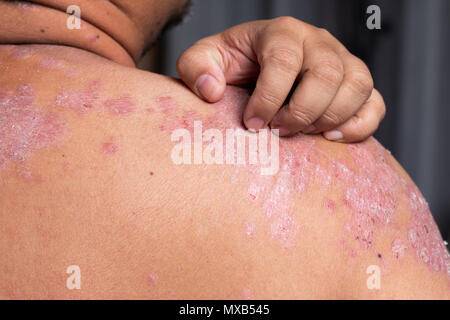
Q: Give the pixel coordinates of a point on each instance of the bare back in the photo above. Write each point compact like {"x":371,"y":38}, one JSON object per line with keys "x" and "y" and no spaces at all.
{"x":87,"y":179}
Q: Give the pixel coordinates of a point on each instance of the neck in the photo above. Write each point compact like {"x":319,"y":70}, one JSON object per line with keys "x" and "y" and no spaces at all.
{"x":104,"y":28}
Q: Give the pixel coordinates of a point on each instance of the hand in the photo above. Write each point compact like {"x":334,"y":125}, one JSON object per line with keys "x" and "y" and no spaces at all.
{"x":332,"y":90}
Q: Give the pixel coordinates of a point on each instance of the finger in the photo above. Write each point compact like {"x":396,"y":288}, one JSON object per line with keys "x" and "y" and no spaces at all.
{"x":322,"y":74}
{"x":280,"y":58}
{"x":354,"y":91}
{"x":363,"y":124}
{"x":201,"y":69}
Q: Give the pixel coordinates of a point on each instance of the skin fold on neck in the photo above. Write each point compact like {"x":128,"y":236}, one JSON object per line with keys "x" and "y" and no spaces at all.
{"x":105,"y":29}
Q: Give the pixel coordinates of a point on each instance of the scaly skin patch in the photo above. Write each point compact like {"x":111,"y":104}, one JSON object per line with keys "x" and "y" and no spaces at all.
{"x":122,"y":106}
{"x":21,"y":53}
{"x":423,"y":235}
{"x":79,"y":100}
{"x":371,"y":187}
{"x":50,"y":62}
{"x":86,"y":100}
{"x":398,"y":248}
{"x":25,"y":129}
{"x":370,"y":192}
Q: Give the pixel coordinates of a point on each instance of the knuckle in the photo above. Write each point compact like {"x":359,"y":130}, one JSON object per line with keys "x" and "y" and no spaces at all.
{"x":357,"y":131}
{"x":181,"y":63}
{"x":182,"y":67}
{"x":328,"y":37}
{"x":300,"y":115}
{"x":329,"y":71}
{"x":331,"y":118}
{"x":188,"y":58}
{"x":183,"y":57}
{"x":286,"y":22}
{"x":286,"y":58}
{"x":367,"y":130}
{"x":323,"y":32}
{"x":382,"y":111}
{"x":360,"y":81}
{"x":268,"y":98}
{"x":379,"y":102}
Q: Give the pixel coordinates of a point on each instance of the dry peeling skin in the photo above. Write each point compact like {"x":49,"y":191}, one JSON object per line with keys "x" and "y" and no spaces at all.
{"x":363,"y":189}
{"x":121,"y":106}
{"x":79,"y":100}
{"x":24,"y":128}
{"x":371,"y":188}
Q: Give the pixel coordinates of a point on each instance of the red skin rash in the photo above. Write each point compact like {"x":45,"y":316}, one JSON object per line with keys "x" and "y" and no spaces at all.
{"x":398,"y":248}
{"x":166,"y":105}
{"x":87,"y":99}
{"x":152,"y":278}
{"x":423,"y":235}
{"x":24,"y":128}
{"x":122,"y":106}
{"x":372,"y":188}
{"x":79,"y":100}
{"x":50,"y":63}
{"x":109,"y":148}
{"x":20,"y":52}
{"x":330,"y":205}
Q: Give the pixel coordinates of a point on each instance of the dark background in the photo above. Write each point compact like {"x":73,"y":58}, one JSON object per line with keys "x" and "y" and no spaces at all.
{"x":408,"y":58}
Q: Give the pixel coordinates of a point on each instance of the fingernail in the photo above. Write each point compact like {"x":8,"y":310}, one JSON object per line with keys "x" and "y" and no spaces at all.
{"x":206,"y":85}
{"x":333,"y":135}
{"x":309,"y":129}
{"x":281,"y":131}
{"x":255,"y":124}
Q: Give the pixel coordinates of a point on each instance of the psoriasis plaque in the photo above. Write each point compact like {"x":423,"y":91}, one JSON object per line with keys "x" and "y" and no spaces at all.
{"x":371,"y":187}
{"x":24,"y":127}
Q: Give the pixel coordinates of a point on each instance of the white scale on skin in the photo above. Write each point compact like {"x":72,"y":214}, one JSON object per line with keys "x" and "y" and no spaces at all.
{"x":24,"y":128}
{"x":371,"y":190}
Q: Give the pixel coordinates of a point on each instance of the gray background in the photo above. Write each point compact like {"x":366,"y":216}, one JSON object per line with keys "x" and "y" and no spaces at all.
{"x":408,"y":58}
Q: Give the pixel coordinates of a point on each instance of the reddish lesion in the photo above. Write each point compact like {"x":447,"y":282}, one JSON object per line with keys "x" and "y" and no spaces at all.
{"x":24,"y":127}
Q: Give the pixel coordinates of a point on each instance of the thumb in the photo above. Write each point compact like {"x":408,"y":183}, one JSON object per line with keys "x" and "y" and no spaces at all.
{"x":200,"y":69}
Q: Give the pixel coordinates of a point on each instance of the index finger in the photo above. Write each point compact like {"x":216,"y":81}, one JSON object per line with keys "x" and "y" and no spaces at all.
{"x":280,"y":62}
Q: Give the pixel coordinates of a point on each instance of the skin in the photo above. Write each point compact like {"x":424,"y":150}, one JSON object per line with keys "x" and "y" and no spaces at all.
{"x":332,"y":90}
{"x":86,"y":179}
